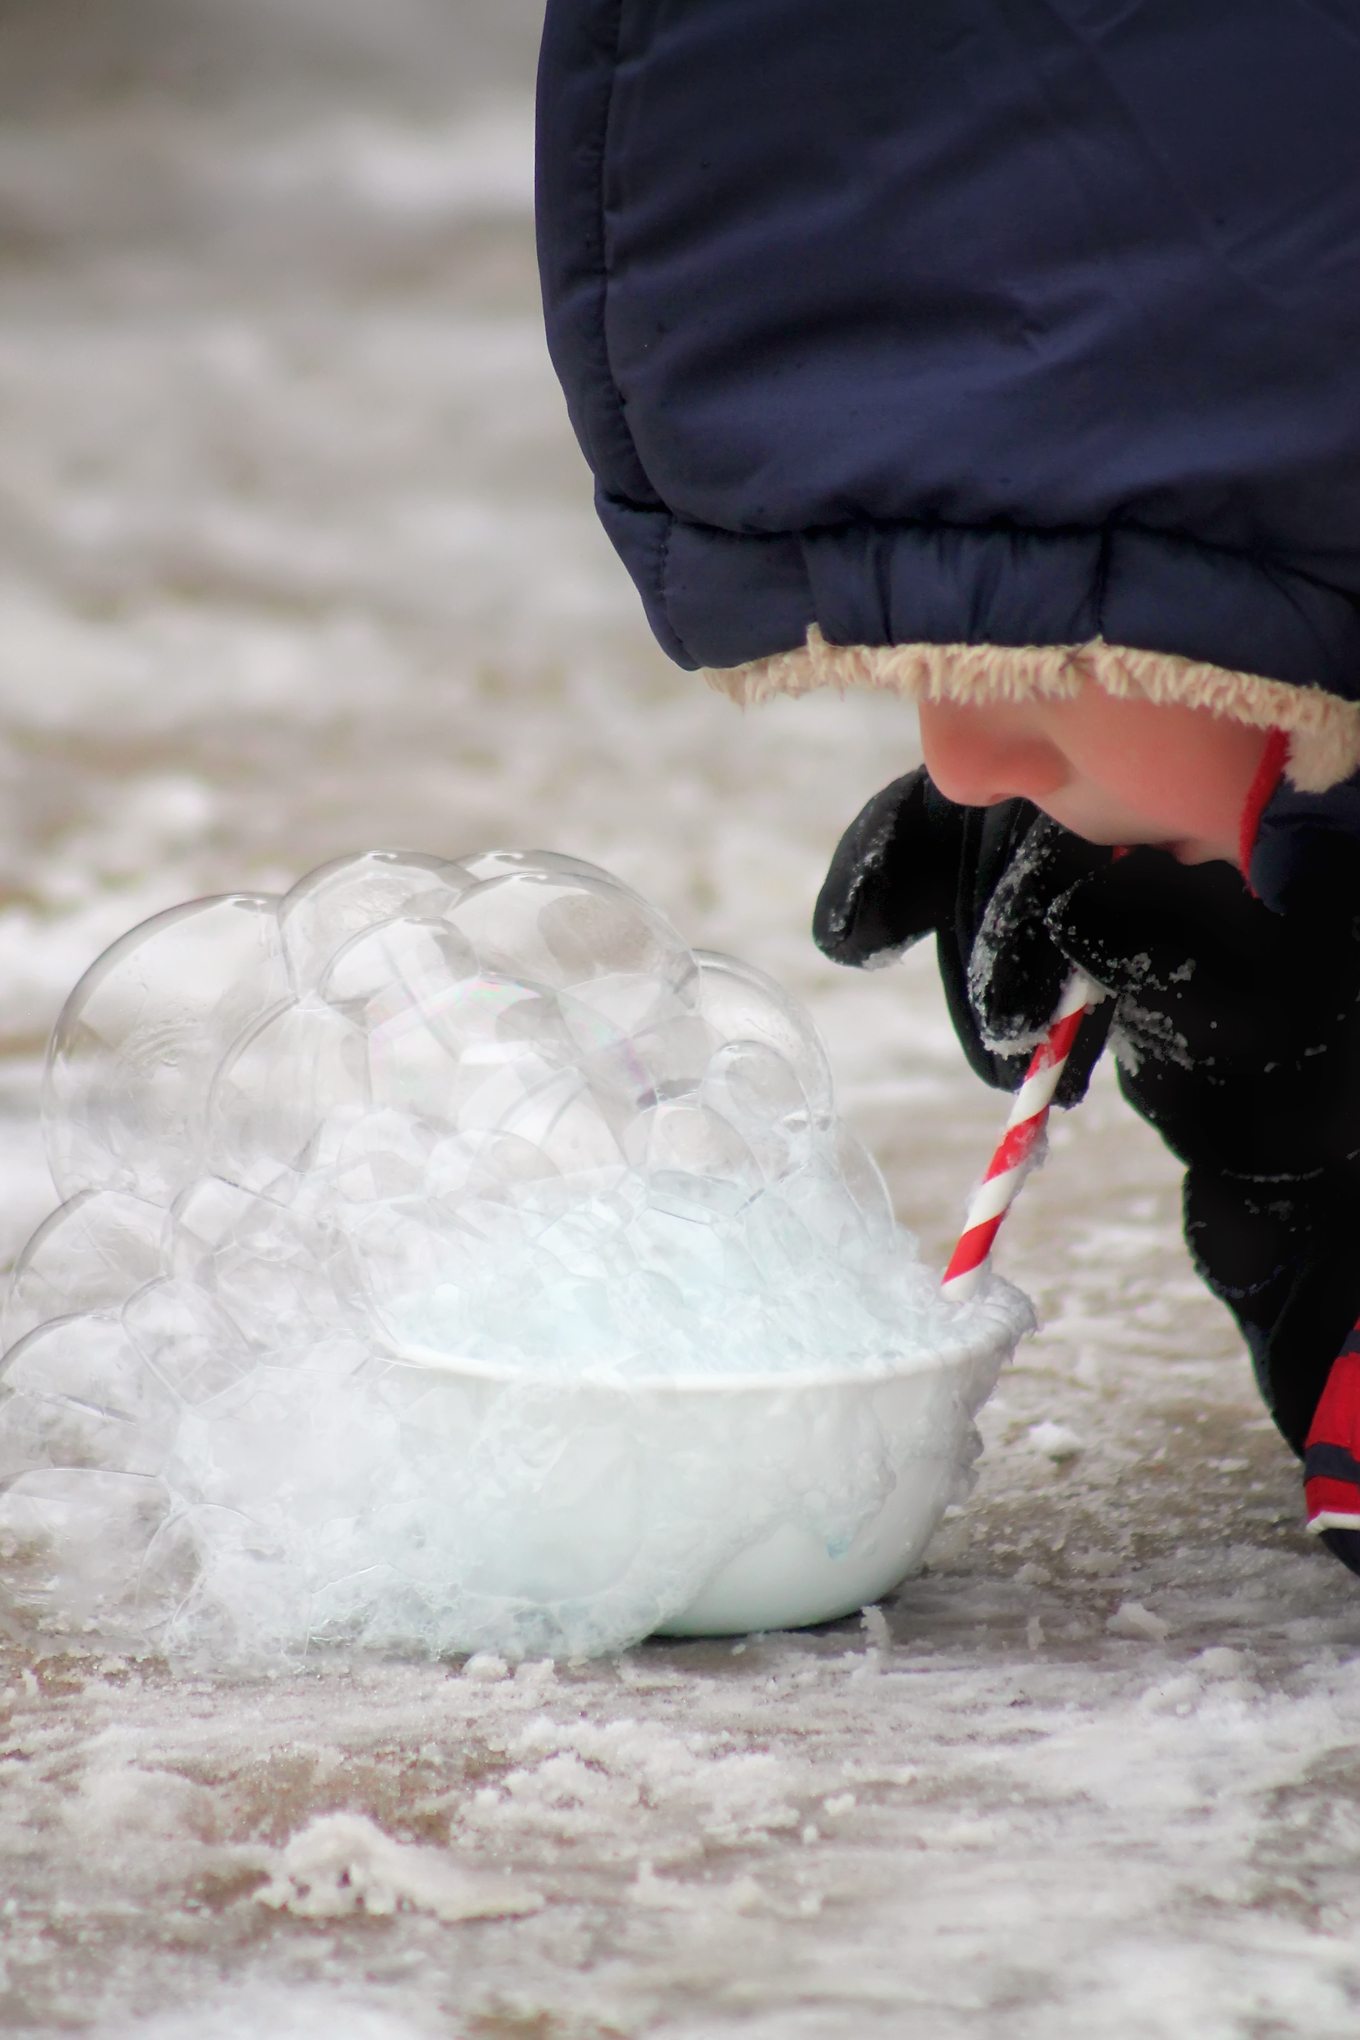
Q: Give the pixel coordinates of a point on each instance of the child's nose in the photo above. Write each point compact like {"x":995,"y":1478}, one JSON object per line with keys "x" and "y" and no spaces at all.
{"x":975,"y":759}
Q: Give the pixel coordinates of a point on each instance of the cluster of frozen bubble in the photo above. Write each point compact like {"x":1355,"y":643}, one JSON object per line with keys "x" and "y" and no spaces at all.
{"x":381,"y":1197}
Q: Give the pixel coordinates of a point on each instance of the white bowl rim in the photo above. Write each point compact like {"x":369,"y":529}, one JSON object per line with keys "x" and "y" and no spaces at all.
{"x":957,"y":1354}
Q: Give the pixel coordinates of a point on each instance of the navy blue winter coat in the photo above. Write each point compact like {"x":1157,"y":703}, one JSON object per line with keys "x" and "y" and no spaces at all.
{"x":968,"y":322}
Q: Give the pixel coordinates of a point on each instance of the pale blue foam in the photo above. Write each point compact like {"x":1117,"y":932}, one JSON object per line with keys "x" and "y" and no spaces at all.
{"x":431,"y":1237}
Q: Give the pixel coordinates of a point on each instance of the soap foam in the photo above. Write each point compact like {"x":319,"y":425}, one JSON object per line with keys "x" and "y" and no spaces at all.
{"x":451,"y":1259}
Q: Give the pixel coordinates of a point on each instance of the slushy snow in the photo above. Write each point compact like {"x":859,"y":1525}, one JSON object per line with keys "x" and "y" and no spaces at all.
{"x":454,"y":1260}
{"x":298,"y":538}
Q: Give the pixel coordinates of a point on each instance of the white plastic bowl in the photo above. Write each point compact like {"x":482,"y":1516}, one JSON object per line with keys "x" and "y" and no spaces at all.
{"x":786,"y":1499}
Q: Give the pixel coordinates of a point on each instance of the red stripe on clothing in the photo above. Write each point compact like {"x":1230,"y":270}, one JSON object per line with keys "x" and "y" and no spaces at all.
{"x":1323,"y":1496}
{"x":1268,"y":775}
{"x":1336,"y":1420}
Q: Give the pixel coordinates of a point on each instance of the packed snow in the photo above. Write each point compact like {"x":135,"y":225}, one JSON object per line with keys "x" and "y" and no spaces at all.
{"x":298,"y":556}
{"x":453,"y":1259}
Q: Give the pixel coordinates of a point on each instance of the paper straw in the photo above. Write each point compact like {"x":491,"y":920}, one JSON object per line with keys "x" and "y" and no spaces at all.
{"x":1018,"y":1144}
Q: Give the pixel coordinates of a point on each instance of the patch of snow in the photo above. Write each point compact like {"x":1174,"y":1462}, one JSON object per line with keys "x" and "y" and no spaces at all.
{"x":343,"y":1863}
{"x":1131,"y":1618}
{"x":1056,"y":1441}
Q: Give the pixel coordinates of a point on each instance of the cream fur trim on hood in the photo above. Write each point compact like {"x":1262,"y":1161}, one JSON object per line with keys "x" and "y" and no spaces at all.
{"x":1323,"y":730}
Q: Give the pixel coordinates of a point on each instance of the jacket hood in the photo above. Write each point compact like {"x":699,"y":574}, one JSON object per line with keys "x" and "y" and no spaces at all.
{"x":973,"y":349}
{"x":1322,"y":730}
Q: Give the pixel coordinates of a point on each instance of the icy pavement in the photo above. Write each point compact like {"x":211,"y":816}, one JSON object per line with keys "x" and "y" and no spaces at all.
{"x":295,"y":557}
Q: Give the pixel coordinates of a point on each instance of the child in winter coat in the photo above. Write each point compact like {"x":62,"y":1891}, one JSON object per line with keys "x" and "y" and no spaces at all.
{"x":1007,"y":355}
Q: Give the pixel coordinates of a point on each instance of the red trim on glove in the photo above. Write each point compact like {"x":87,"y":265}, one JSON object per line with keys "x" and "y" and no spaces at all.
{"x":1269,"y":773}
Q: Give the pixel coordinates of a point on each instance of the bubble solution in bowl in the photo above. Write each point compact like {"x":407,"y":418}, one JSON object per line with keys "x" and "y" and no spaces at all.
{"x":452,"y":1259}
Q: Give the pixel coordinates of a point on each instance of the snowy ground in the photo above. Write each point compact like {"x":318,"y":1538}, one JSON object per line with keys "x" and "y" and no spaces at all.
{"x":296,"y":558}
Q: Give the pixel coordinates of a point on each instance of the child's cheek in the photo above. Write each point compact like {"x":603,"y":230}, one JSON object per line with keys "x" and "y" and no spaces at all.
{"x":1185,"y":771}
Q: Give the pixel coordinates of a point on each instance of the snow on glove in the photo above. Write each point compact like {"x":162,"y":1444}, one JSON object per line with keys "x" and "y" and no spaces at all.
{"x":981,"y":880}
{"x":1236,"y":1030}
{"x":1237,"y":1036}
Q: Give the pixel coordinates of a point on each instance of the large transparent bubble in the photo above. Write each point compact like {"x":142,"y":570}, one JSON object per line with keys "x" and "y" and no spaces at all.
{"x":452,"y":1258}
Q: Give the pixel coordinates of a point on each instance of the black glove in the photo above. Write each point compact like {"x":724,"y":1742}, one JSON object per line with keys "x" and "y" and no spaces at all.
{"x":1236,"y":1030}
{"x":981,"y":880}
{"x":1237,"y":1033}
{"x":1237,"y":1036}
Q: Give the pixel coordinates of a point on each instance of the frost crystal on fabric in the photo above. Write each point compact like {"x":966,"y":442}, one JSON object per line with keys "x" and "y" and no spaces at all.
{"x":452,"y":1259}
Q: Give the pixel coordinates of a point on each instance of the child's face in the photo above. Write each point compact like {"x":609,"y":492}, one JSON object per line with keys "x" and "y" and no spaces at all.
{"x":1113,"y":770}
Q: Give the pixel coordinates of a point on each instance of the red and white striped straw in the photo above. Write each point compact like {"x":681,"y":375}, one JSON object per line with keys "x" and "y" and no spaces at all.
{"x":1016,"y":1150}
